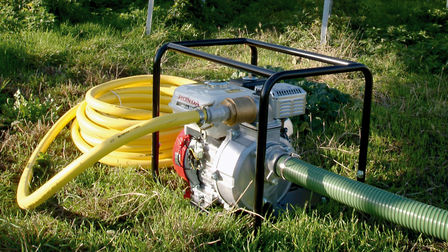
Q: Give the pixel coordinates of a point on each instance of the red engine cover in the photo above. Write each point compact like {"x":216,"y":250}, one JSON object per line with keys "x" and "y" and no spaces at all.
{"x":179,"y":151}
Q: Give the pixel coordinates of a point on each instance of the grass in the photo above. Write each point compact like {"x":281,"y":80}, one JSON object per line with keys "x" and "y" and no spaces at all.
{"x":111,"y":208}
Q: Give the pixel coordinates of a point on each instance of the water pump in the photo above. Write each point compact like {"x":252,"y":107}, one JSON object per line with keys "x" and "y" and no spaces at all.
{"x":218,"y":160}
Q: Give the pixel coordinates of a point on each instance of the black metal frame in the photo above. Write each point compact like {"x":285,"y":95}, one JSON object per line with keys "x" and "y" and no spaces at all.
{"x":336,"y":66}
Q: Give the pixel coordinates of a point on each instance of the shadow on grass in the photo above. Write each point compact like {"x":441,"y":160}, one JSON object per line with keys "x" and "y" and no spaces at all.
{"x":13,"y":59}
{"x":19,"y":63}
{"x":416,"y":30}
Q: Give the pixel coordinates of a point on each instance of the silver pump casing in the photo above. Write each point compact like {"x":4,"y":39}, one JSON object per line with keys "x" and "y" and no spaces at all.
{"x":222,"y":158}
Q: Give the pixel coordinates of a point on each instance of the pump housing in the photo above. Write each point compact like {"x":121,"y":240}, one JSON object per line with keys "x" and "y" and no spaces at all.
{"x":218,"y":160}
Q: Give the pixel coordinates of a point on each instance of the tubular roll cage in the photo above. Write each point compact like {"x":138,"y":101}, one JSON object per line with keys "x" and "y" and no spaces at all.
{"x":336,"y":66}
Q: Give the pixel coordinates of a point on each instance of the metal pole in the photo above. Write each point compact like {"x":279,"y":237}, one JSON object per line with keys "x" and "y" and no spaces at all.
{"x":326,"y":15}
{"x":365,"y":125}
{"x":149,"y":17}
{"x":156,"y":109}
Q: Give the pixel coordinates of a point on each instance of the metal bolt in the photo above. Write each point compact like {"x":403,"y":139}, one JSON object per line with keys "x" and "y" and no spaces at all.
{"x":215,"y":176}
{"x":324,"y":200}
{"x":360,"y":174}
{"x":235,"y":133}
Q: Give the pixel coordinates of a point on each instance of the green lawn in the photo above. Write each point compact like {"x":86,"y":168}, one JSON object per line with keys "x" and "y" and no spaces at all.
{"x":54,"y":51}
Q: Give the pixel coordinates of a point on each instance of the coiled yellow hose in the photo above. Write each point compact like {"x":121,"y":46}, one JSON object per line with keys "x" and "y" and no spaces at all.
{"x":116,"y":105}
{"x":112,"y":119}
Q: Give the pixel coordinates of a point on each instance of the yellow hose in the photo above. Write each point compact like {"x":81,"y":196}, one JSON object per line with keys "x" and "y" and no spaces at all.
{"x":121,"y":131}
{"x":116,"y":105}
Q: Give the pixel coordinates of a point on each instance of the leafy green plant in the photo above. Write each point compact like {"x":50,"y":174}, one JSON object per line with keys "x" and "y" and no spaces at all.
{"x":24,"y":14}
{"x":418,"y":33}
{"x":322,"y":106}
{"x":184,"y":12}
{"x":32,"y":109}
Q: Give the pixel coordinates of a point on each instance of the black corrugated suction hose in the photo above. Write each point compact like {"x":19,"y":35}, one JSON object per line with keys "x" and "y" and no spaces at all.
{"x":372,"y":200}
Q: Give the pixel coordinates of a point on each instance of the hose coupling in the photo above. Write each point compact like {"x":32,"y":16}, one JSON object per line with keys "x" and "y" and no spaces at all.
{"x":203,"y":116}
{"x":274,"y":152}
{"x":216,"y":114}
{"x":242,"y":109}
{"x":281,"y":165}
{"x":233,"y":111}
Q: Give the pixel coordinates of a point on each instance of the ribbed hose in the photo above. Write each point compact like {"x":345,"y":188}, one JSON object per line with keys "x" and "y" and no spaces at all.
{"x":400,"y":210}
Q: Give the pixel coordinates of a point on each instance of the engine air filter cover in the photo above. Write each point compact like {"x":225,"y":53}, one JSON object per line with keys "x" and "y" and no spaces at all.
{"x":286,"y":100}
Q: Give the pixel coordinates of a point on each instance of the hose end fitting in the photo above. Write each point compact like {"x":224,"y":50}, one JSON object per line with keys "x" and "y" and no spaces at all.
{"x":242,"y":109}
{"x":281,"y":165}
{"x":203,"y":116}
{"x":216,"y":114}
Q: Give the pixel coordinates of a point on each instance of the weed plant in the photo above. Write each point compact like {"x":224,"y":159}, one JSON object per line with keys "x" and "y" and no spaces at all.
{"x":54,"y":51}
